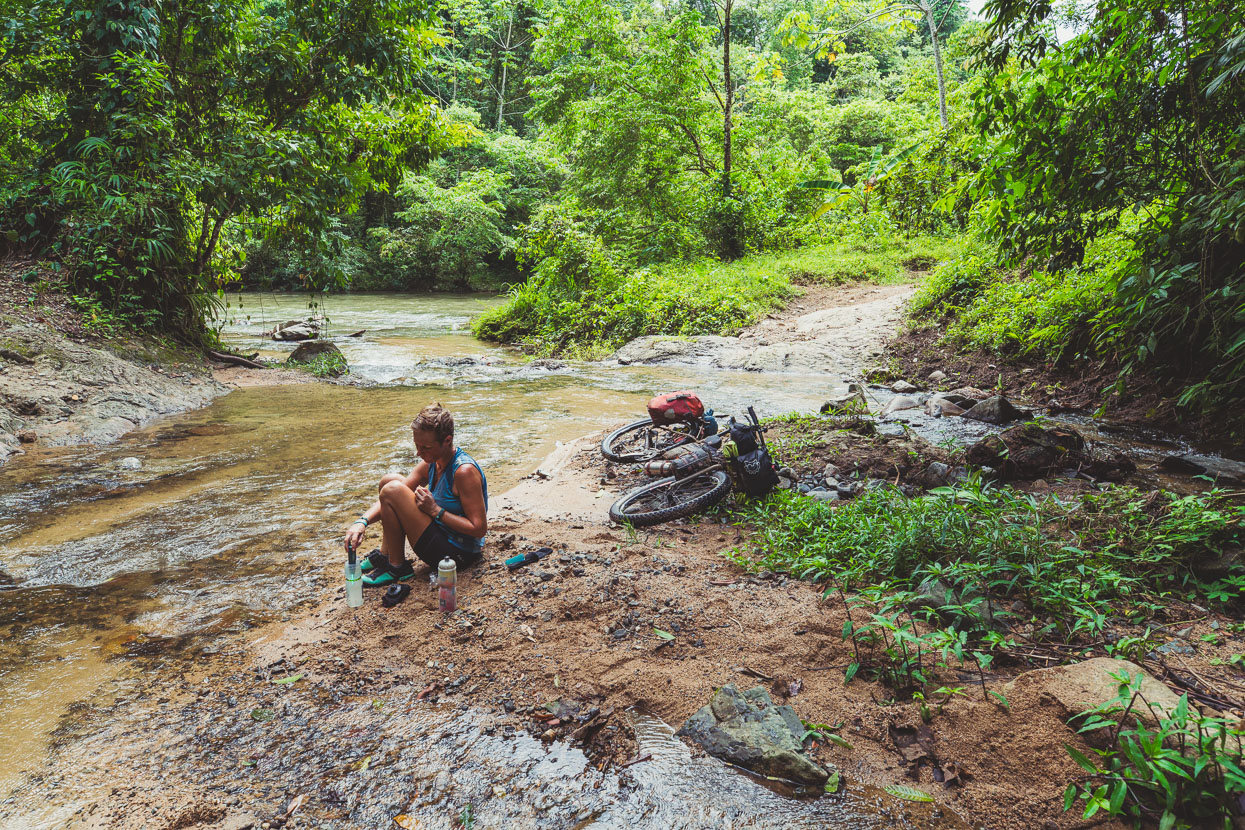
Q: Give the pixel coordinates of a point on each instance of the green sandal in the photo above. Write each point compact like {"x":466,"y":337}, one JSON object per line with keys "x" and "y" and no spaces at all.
{"x":387,"y":574}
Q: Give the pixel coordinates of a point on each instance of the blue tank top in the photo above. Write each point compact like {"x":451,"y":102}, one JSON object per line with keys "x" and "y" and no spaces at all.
{"x":442,"y":489}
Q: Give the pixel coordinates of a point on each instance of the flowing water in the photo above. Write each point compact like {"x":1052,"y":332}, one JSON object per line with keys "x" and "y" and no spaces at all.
{"x":218,"y":528}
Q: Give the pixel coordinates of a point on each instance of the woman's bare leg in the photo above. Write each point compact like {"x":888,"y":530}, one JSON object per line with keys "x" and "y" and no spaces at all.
{"x":401,"y":519}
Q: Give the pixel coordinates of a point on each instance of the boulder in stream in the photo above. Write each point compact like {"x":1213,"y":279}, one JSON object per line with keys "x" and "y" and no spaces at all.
{"x":1223,"y":470}
{"x":295,"y":330}
{"x":1031,"y":451}
{"x":996,"y":410}
{"x":306,"y":352}
{"x":748,"y":730}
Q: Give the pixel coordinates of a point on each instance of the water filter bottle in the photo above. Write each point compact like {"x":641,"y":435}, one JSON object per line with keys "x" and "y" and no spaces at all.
{"x":447,"y":584}
{"x":354,"y":580}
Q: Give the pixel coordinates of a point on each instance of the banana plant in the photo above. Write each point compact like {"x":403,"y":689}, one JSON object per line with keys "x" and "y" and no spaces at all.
{"x":877,"y":171}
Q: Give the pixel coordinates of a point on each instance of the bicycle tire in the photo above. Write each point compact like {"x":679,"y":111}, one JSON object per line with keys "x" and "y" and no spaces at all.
{"x":719,"y":485}
{"x":614,"y":446}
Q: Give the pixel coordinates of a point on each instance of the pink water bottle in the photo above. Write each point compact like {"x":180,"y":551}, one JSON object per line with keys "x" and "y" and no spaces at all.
{"x":447,"y":585}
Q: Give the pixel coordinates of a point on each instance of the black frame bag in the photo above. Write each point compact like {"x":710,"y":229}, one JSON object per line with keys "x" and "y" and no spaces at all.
{"x":754,"y":468}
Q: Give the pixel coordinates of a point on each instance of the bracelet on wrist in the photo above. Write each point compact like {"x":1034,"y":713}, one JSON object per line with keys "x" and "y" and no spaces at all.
{"x":440,"y":513}
{"x":360,"y":520}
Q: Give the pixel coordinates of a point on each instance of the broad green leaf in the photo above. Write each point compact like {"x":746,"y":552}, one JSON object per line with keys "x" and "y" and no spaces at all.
{"x":292,"y":678}
{"x":908,"y":793}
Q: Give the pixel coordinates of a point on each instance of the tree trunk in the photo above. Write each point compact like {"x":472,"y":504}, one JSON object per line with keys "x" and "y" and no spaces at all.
{"x":942,"y":84}
{"x":729,"y":90}
{"x":505,"y":65}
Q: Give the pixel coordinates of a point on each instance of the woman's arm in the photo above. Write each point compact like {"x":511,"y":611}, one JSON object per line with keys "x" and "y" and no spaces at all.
{"x":470,"y":487}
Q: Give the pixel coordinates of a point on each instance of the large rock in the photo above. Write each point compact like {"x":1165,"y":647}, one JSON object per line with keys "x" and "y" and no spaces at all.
{"x":306,"y":352}
{"x":1083,"y":686}
{"x":938,"y":406}
{"x":1222,"y":470}
{"x":1029,"y":451}
{"x":997,"y":410}
{"x":656,"y":348}
{"x":295,"y":330}
{"x":61,"y":392}
{"x":748,"y":730}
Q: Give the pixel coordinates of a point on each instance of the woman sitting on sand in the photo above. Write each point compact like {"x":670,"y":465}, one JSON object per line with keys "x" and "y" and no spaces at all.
{"x":441,"y":507}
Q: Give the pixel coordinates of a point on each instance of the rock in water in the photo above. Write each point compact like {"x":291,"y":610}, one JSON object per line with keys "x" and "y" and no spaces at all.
{"x":902,"y":387}
{"x":853,"y":401}
{"x":938,"y":406}
{"x":296,"y":330}
{"x":899,"y":402}
{"x":1223,"y":470}
{"x":750,"y":731}
{"x":312,"y":349}
{"x":996,"y":410}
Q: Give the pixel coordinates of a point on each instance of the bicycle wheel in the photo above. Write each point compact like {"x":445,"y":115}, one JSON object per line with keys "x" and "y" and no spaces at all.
{"x":670,"y":498}
{"x":643,"y":440}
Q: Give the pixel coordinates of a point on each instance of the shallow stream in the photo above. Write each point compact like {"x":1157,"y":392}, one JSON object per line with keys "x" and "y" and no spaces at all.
{"x":219,"y":523}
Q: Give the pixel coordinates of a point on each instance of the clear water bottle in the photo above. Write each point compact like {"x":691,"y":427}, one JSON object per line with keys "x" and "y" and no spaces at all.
{"x":447,"y":585}
{"x":354,"y":580}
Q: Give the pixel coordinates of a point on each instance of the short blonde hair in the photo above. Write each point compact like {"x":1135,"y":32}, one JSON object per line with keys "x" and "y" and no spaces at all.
{"x":436,"y":418}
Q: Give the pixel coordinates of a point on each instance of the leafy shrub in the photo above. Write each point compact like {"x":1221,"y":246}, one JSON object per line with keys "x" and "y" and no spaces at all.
{"x":1186,"y":769}
{"x":448,"y":237}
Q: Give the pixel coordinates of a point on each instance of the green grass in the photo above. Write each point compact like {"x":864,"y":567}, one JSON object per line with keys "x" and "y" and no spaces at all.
{"x":1050,"y":315}
{"x":327,"y":365}
{"x":592,"y":315}
{"x":1075,"y":562}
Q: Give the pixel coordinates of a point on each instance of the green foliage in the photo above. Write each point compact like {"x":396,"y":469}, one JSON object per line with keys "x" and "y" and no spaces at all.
{"x":1064,"y":314}
{"x":1186,"y":768}
{"x":325,"y":365}
{"x":580,"y":299}
{"x":953,"y":285}
{"x":1141,"y":113}
{"x":143,"y":130}
{"x":447,"y":236}
{"x":451,"y":227}
{"x":1074,"y":562}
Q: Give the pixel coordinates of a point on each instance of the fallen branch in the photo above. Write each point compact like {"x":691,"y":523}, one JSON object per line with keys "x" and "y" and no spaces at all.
{"x":235,"y":360}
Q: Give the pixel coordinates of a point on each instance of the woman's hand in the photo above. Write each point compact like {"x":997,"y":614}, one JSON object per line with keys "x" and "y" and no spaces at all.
{"x":425,"y":502}
{"x":354,"y":536}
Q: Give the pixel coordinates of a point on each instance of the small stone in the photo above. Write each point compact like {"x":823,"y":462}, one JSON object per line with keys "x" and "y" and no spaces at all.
{"x":130,"y":463}
{"x":825,"y":495}
{"x":936,"y":376}
{"x":902,"y":387}
{"x":27,"y":436}
{"x":546,"y":616}
{"x":830,"y":471}
{"x":620,"y":633}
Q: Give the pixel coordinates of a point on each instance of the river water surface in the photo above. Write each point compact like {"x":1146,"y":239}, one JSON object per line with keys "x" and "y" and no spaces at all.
{"x":217,"y":526}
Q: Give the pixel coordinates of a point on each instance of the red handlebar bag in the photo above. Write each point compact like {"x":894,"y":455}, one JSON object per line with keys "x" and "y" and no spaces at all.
{"x":674,"y":407}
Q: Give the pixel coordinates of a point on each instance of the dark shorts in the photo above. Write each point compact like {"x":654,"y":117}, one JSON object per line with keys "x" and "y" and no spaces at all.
{"x":434,"y":545}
